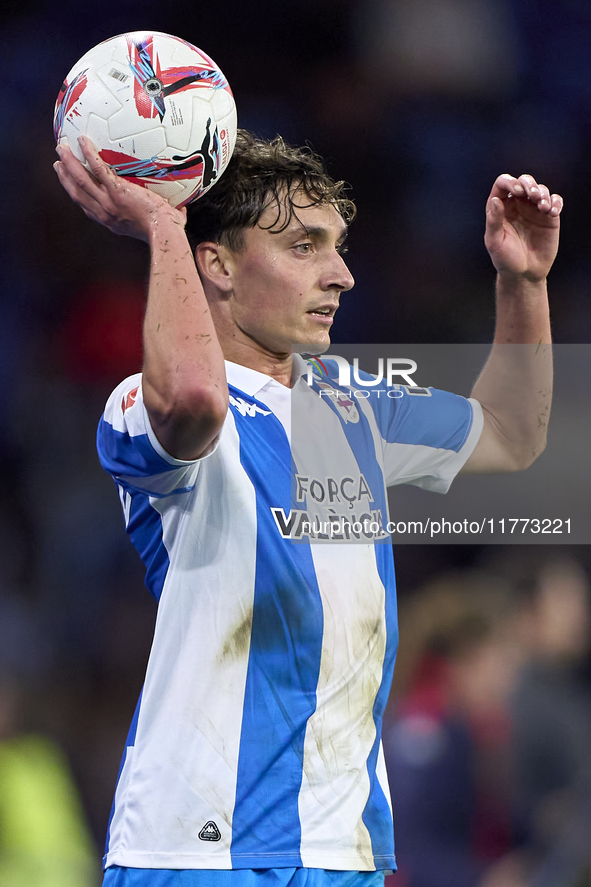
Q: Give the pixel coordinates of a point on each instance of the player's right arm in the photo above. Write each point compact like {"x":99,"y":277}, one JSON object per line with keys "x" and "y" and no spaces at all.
{"x":184,"y":383}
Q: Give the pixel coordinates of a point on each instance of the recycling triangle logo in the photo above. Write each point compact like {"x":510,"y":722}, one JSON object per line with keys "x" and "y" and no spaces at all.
{"x":210,"y":832}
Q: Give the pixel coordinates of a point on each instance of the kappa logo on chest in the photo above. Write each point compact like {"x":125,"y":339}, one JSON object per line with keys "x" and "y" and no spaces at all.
{"x":247,"y":409}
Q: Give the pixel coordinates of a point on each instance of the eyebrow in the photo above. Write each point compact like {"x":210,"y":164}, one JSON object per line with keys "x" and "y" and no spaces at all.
{"x":320,"y":231}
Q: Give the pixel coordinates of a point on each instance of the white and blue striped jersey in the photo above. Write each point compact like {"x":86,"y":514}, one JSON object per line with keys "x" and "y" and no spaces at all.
{"x":256,"y":740}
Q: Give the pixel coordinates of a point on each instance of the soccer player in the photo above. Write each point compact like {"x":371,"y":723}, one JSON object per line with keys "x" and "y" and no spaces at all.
{"x":254,"y":755}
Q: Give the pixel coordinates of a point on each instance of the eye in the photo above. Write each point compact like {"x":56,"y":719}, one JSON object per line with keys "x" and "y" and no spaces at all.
{"x":304,"y":248}
{"x":342,"y":249}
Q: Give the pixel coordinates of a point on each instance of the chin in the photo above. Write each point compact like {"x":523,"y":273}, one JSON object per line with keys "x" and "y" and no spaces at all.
{"x":318,"y":345}
{"x":311,"y":348}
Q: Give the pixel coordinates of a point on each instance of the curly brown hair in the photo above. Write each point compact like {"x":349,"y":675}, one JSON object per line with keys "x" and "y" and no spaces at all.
{"x":263,"y":174}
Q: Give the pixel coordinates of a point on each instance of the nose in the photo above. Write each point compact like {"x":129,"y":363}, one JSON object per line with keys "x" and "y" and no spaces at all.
{"x":337,"y":275}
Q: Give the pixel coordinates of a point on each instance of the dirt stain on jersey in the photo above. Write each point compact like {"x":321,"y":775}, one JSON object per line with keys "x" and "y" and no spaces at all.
{"x":237,"y":644}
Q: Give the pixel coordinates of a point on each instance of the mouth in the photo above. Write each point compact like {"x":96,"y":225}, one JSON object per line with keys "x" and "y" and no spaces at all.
{"x":324,"y":313}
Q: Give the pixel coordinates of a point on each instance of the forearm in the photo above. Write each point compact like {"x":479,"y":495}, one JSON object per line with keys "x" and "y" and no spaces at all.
{"x":515,"y":386}
{"x":184,"y":378}
{"x":184,"y":381}
{"x":523,"y":313}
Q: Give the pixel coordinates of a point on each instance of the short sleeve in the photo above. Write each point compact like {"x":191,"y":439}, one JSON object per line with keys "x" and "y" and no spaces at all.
{"x":129,"y":450}
{"x":428,"y":435}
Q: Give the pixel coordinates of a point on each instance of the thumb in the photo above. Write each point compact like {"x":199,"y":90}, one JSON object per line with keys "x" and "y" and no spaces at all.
{"x":495,"y":216}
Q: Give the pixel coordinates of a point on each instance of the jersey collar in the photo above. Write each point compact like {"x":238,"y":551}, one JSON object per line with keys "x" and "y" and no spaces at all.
{"x":252,"y":382}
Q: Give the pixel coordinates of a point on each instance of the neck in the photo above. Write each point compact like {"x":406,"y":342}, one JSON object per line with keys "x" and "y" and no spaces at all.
{"x":241,"y":348}
{"x":278,"y":366}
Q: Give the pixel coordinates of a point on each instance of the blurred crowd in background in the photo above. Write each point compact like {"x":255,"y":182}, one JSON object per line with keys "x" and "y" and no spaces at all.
{"x":419,"y":104}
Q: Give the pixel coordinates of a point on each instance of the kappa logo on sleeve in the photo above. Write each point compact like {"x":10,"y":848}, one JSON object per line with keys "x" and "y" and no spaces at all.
{"x":210,"y":832}
{"x":129,"y":400}
{"x":247,"y":409}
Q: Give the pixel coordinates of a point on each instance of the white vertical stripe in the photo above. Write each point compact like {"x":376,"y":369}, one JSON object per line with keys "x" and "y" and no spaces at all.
{"x":183,"y":777}
{"x":339,"y":737}
{"x":117,"y":823}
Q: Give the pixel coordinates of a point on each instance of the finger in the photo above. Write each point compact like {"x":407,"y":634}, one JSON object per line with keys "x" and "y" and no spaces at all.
{"x":556,"y":204}
{"x":495,"y":216}
{"x":544,"y":202}
{"x":69,"y":161}
{"x":79,"y":195}
{"x":531,"y":187}
{"x":507,"y":185}
{"x":71,"y":169}
{"x":99,"y":169}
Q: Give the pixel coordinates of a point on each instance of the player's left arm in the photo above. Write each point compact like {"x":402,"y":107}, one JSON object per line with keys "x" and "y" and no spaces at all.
{"x":515,"y":386}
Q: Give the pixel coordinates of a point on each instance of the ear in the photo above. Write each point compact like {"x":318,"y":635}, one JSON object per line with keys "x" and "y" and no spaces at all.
{"x":214,"y":265}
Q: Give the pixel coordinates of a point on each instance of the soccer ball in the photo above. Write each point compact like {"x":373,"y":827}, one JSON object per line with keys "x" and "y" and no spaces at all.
{"x":159,"y":111}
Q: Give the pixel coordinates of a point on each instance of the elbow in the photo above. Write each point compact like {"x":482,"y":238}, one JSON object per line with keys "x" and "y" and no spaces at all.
{"x":527,"y":455}
{"x":187,"y":422}
{"x":511,"y":446}
{"x":537,"y":450}
{"x":200,"y":404}
{"x":206,"y":405}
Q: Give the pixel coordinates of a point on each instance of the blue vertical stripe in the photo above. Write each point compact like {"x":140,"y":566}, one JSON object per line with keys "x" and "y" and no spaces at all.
{"x":144,"y":528}
{"x":284,"y":664}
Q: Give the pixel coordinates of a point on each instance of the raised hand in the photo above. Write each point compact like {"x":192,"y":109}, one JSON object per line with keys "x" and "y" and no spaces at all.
{"x":522,"y":227}
{"x":119,"y":205}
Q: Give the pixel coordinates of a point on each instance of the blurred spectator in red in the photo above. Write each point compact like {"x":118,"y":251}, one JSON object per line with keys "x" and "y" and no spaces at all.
{"x":101,"y":337}
{"x":447,"y":740}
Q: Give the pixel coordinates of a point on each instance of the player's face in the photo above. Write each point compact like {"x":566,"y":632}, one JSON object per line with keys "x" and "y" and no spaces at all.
{"x":287,"y":284}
